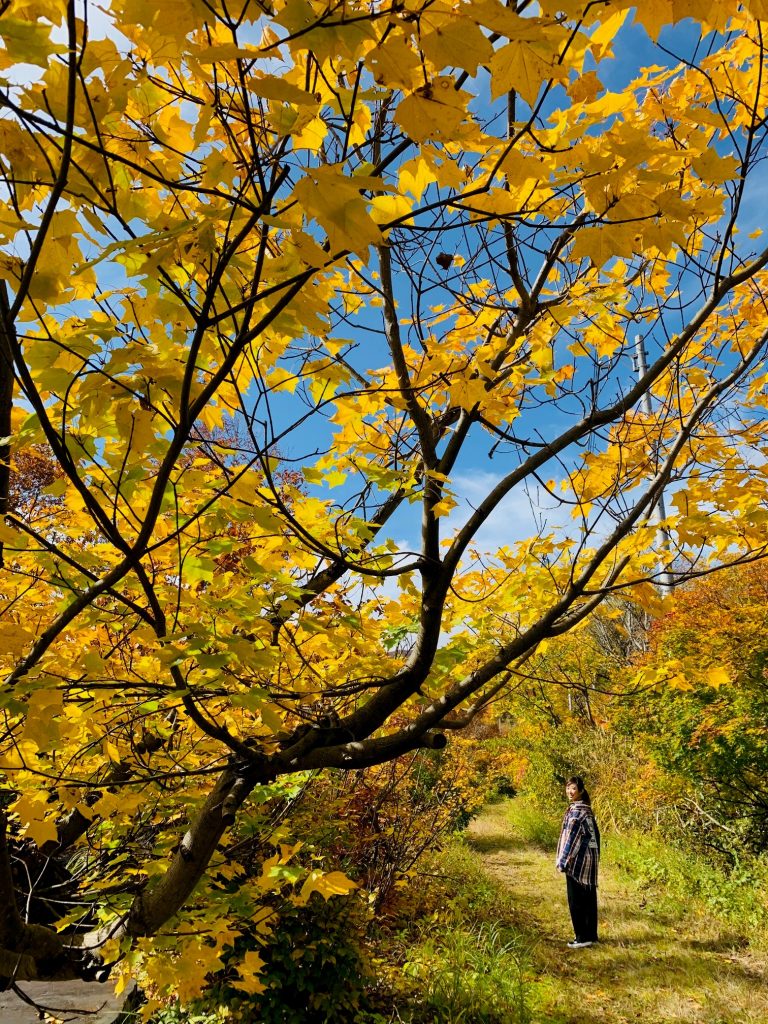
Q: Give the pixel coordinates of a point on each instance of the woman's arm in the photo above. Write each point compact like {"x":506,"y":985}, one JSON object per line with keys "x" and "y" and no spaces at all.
{"x":568,"y":837}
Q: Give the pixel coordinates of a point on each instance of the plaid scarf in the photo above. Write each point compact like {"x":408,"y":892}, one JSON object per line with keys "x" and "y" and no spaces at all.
{"x":578,"y":850}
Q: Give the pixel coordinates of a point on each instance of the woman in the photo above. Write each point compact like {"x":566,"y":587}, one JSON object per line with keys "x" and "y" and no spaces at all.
{"x":578,"y":854}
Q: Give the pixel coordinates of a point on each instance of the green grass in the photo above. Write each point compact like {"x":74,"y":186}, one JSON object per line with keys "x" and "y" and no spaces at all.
{"x":460,"y":959}
{"x":737,"y":897}
{"x":472,"y":974}
{"x":681,"y":943}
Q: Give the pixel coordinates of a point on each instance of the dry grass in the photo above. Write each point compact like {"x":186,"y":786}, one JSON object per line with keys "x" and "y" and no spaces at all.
{"x":657,"y":963}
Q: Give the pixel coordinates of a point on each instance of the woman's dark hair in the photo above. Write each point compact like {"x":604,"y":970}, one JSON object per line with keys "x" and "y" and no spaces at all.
{"x":578,"y":782}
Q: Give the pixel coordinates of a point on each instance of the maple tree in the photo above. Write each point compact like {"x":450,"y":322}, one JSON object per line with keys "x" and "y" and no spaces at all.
{"x":273,"y":277}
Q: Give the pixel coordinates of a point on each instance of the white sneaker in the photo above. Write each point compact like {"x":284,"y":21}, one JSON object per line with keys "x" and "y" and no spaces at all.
{"x":574,"y":944}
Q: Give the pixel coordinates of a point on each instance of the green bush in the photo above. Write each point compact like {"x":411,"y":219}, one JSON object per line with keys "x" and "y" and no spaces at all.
{"x":316,"y":971}
{"x":620,"y":780}
{"x":465,"y":891}
{"x":315,"y":965}
{"x":179,"y":1015}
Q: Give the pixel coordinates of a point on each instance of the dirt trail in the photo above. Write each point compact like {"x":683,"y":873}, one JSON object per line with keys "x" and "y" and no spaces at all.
{"x":654,"y":965}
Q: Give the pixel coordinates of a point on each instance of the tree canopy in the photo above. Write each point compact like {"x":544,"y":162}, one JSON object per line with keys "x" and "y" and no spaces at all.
{"x":276,"y":279}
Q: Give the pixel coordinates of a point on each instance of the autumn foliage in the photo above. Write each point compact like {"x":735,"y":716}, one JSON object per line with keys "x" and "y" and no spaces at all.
{"x":705,"y":723}
{"x":276,"y":280}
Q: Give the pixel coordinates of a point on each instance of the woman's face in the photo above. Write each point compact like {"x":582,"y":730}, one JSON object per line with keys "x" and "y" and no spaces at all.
{"x":572,"y":791}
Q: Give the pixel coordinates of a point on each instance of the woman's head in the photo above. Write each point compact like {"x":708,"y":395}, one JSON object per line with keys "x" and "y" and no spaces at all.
{"x":575,"y":789}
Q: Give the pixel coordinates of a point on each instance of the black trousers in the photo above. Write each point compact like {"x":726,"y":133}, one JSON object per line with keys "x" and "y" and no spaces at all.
{"x":582,"y":903}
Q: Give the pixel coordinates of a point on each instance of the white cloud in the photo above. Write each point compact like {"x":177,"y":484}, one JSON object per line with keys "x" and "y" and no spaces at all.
{"x":521,"y":514}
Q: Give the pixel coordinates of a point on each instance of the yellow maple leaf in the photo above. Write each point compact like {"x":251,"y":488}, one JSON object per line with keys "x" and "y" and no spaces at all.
{"x":633,"y":207}
{"x":32,"y":813}
{"x":311,"y":136}
{"x":757,"y":8}
{"x":600,"y":244}
{"x":602,"y":37}
{"x":653,"y":15}
{"x":679,"y":681}
{"x":523,"y":172}
{"x":13,"y":637}
{"x":42,"y":832}
{"x":586,"y":88}
{"x":717,"y":677}
{"x":40,"y":726}
{"x":335,"y":478}
{"x":250,"y":970}
{"x":335,"y":883}
{"x":273,"y":88}
{"x":394,"y":63}
{"x":715,"y":169}
{"x":456,"y":42}
{"x":415,"y":176}
{"x":444,"y":507}
{"x":433,"y":111}
{"x":604,"y":342}
{"x":711,"y":13}
{"x":517,"y":66}
{"x":663,"y":234}
{"x":334,"y":201}
{"x":27,"y":42}
{"x":386,"y":209}
{"x":111,"y":751}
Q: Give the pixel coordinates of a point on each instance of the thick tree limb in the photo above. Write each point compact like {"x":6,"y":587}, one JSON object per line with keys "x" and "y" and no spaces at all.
{"x":6,"y":403}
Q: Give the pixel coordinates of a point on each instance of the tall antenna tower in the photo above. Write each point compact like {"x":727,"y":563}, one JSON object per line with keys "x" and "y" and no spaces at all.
{"x":658,"y":513}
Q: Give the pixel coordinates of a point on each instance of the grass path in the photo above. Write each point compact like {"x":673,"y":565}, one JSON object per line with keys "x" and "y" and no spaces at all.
{"x":657,"y":963}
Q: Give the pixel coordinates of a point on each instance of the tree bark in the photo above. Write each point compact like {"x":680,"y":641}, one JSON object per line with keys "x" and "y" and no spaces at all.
{"x":6,"y":405}
{"x":166,"y":896}
{"x":35,"y":952}
{"x":28,"y":952}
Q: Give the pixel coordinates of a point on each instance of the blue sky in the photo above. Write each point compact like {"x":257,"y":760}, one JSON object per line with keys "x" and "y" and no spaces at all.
{"x":520,"y":513}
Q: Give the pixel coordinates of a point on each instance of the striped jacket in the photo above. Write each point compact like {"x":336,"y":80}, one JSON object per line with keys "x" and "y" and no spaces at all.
{"x":578,"y":850}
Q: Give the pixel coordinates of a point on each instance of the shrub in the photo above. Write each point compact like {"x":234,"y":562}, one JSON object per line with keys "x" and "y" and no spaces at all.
{"x":385,"y":818}
{"x":316,"y":968}
{"x":623,"y":784}
{"x":541,"y":828}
